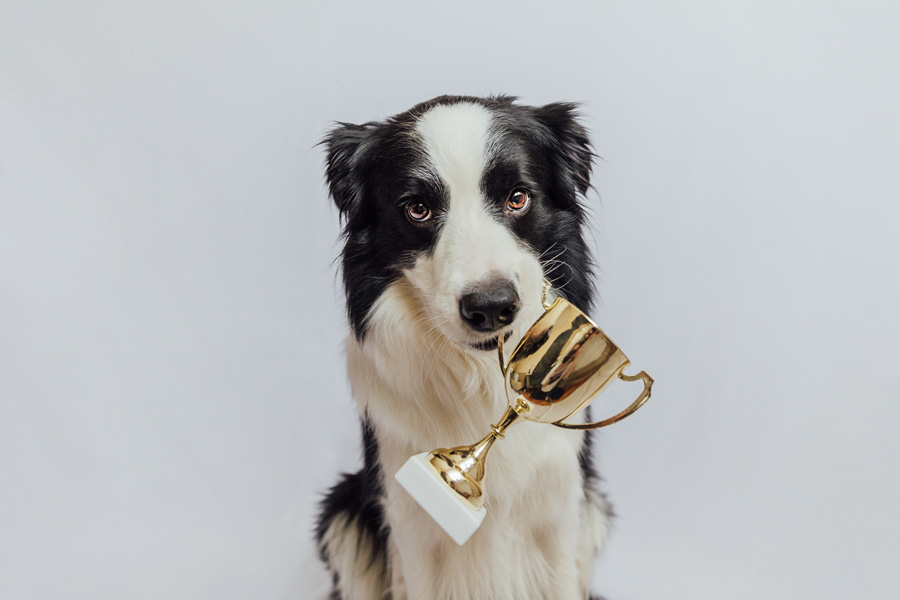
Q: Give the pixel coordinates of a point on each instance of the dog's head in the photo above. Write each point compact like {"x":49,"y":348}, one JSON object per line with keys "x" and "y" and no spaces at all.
{"x":469,"y":201}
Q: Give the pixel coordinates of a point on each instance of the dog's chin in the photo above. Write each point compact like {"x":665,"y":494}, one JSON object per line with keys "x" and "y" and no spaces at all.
{"x":489,"y":344}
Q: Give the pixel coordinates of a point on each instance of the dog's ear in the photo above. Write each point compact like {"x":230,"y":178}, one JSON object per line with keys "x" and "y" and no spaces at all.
{"x":570,"y":146}
{"x":346,"y":146}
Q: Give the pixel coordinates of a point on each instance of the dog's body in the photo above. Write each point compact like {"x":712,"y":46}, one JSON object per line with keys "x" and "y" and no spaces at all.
{"x":454,"y":212}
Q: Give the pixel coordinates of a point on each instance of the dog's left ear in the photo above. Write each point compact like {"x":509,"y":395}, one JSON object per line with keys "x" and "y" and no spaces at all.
{"x":346,"y":152}
{"x":570,"y":147}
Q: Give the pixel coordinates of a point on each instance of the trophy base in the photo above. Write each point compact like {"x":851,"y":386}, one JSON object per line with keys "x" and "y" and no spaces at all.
{"x":455,"y":516}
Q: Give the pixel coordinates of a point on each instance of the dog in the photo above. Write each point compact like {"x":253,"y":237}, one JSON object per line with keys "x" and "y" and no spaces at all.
{"x":453,"y":213}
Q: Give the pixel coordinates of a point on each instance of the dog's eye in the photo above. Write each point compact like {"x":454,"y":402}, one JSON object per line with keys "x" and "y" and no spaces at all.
{"x":519,"y":201}
{"x":417,"y":211}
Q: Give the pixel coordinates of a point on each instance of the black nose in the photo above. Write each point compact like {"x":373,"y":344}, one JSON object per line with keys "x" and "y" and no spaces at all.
{"x":490,"y":306}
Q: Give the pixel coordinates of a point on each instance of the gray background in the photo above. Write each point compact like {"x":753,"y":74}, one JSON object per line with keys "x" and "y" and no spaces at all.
{"x":172,"y":395}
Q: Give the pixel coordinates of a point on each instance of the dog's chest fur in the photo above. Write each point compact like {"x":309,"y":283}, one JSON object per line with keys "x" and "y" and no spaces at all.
{"x":420,"y":396}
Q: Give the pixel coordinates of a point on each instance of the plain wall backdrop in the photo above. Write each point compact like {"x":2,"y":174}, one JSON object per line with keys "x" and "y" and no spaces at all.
{"x":172,"y":389}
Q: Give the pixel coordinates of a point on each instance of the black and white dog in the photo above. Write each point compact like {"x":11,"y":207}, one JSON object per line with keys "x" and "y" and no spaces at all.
{"x":454,"y":212}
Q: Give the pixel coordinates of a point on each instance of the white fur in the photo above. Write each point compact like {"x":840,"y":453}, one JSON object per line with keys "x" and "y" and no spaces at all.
{"x":423,"y":387}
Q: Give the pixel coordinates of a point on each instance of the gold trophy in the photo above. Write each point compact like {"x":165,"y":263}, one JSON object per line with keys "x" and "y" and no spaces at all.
{"x":562,"y":362}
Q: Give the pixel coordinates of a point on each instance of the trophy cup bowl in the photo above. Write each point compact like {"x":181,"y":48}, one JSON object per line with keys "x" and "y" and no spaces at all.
{"x":561,"y":364}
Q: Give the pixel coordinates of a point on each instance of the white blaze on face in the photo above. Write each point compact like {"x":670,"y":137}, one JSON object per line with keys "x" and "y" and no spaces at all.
{"x":473,"y":245}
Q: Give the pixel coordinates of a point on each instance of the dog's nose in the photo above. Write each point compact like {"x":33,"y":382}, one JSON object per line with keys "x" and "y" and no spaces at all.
{"x":490,"y":306}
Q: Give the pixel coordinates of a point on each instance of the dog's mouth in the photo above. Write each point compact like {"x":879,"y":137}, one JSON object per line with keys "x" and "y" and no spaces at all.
{"x":490,"y":343}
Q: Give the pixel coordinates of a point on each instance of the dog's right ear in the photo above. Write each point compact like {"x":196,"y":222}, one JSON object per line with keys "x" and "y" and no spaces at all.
{"x":346,"y":146}
{"x":570,"y":147}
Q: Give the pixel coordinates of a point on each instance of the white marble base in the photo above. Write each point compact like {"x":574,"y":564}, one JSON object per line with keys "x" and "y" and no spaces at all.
{"x":452,"y":513}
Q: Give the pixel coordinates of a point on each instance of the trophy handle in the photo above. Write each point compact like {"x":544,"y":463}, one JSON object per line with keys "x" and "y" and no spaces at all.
{"x":645,"y":395}
{"x":545,"y":294}
{"x":503,"y":366}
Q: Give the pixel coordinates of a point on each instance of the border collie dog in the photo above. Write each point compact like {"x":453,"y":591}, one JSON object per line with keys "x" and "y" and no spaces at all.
{"x":453,"y":213}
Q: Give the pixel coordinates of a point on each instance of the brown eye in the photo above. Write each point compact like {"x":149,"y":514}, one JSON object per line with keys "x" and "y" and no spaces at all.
{"x":518,"y":202}
{"x":418,"y":212}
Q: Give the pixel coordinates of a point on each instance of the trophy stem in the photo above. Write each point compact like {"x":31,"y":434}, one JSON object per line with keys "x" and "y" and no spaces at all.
{"x":508,"y":418}
{"x":462,"y":468}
